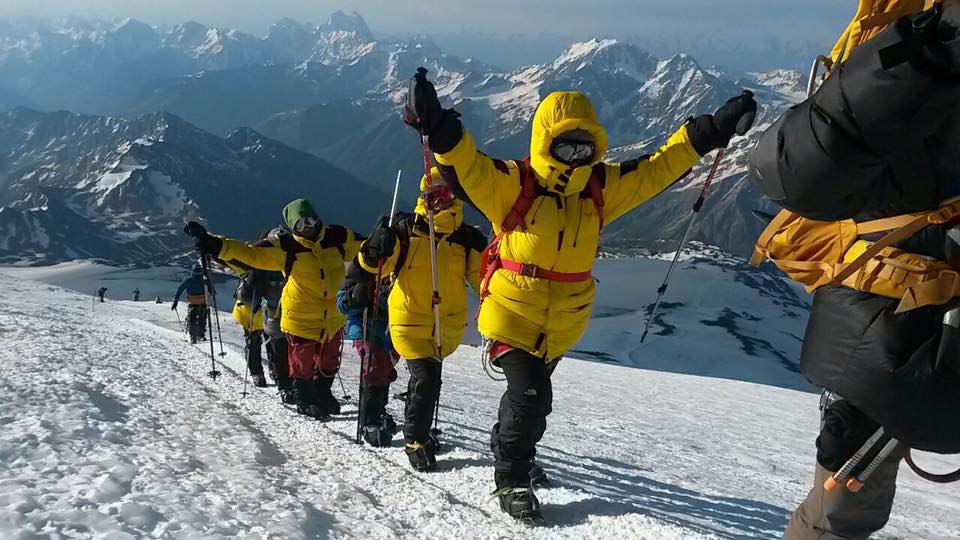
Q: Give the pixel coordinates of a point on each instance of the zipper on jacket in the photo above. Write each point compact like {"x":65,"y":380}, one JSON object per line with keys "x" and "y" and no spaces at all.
{"x":560,"y":213}
{"x":576,"y":235}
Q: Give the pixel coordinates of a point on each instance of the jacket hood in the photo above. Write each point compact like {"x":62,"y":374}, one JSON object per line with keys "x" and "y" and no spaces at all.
{"x":445,"y":221}
{"x":560,"y":112}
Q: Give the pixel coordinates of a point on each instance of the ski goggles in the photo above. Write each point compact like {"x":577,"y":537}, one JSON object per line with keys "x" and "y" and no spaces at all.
{"x":439,"y":198}
{"x":307,"y":227}
{"x":573,"y":152}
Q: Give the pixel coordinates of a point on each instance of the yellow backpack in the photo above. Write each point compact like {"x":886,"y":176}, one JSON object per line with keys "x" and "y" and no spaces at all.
{"x":818,"y":253}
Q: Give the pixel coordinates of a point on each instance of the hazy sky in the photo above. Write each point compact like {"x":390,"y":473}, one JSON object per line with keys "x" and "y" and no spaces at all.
{"x":817,"y":20}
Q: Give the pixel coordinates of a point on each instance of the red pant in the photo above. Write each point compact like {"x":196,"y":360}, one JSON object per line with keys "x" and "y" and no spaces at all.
{"x":307,"y":355}
{"x":378,"y":370}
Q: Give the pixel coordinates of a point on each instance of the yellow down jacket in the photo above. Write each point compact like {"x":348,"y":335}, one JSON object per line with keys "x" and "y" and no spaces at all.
{"x":410,"y":302}
{"x":309,"y":300}
{"x":562,"y":233}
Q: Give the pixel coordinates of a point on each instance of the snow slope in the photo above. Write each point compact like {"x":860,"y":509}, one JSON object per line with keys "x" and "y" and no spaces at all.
{"x":111,"y":428}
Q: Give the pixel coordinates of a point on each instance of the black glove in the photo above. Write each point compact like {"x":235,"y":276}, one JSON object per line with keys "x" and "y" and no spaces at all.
{"x":735,"y":117}
{"x":422,"y":111}
{"x":360,"y":295}
{"x":845,"y":429}
{"x":204,"y":241}
{"x":381,"y":243}
{"x":173,"y":307}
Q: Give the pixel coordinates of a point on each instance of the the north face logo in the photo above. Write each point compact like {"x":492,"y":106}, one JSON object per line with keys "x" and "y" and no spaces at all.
{"x":530,"y":392}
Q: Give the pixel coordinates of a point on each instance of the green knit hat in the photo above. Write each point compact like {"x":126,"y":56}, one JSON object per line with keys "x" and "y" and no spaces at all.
{"x":294,"y":211}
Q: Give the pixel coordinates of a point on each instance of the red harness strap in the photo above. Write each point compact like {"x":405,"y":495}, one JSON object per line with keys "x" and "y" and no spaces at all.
{"x":534,"y":271}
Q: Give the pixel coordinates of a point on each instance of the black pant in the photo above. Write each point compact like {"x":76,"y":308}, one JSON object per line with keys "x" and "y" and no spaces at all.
{"x":373,"y":403}
{"x":522,"y":417}
{"x":423,"y":391}
{"x":254,"y":359}
{"x":277,"y":356}
{"x":197,"y":320}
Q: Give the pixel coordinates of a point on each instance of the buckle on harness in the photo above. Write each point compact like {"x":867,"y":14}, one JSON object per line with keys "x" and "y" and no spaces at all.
{"x":529,"y":270}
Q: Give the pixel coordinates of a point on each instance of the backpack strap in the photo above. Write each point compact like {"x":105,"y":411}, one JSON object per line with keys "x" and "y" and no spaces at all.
{"x":528,"y":194}
{"x":403,"y":228}
{"x":468,"y":237}
{"x":291,"y":248}
{"x":761,"y":251}
{"x":335,"y":236}
{"x":594,"y":190}
{"x":903,"y":227}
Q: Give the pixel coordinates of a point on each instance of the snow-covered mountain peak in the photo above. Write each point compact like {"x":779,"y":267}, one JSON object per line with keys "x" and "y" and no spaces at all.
{"x":787,"y":83}
{"x":131,"y":25}
{"x":344,"y":22}
{"x":583,"y":49}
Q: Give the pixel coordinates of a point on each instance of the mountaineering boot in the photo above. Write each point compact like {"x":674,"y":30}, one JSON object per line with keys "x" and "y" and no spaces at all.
{"x":517,"y":498}
{"x":305,"y":395}
{"x":538,"y":477}
{"x":259,"y":380}
{"x":285,"y":389}
{"x":422,"y":456}
{"x":379,"y":426}
{"x":380,"y":434}
{"x":325,"y":398}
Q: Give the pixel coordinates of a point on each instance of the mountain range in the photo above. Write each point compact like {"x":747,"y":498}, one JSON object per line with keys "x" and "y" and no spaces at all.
{"x":333,"y":90}
{"x":76,"y":186}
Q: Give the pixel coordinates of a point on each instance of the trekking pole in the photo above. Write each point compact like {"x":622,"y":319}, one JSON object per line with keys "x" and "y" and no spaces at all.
{"x":363,"y":359}
{"x":246,"y":346}
{"x":214,"y":373}
{"x":180,"y":322}
{"x":216,"y":314}
{"x":346,"y":396}
{"x":697,"y":206}
{"x":437,"y":300}
{"x":435,"y":430}
{"x":842,"y":476}
{"x":856,"y":484}
{"x":366,"y":358}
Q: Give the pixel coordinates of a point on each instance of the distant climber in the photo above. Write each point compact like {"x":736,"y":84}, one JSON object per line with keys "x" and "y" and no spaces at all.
{"x":197,"y":311}
{"x":136,"y":295}
{"x":100,"y":292}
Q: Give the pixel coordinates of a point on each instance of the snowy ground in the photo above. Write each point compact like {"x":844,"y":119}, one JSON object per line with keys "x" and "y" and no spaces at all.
{"x":110,"y":427}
